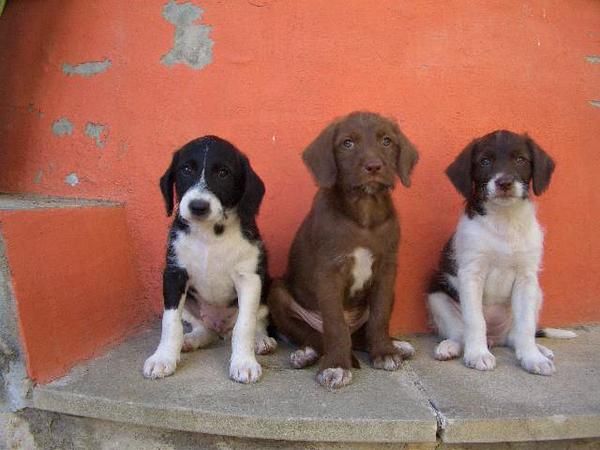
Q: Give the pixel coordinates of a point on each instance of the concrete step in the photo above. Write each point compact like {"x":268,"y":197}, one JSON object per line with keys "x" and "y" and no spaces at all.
{"x":423,"y":401}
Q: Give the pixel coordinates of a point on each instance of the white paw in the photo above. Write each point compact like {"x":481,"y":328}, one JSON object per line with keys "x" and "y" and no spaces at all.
{"x":480,"y":360}
{"x":546,"y":351}
{"x":334,"y":378}
{"x":538,"y":364}
{"x":447,"y":349}
{"x":196,"y":339}
{"x":405,"y":348}
{"x":303,"y":357}
{"x":387,"y":362}
{"x":160,"y":365}
{"x":245,"y":370}
{"x":264,"y":345}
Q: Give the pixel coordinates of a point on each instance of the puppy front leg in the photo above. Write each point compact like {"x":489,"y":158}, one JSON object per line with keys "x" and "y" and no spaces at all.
{"x":526,"y":302}
{"x":476,"y":354}
{"x":244,"y":368}
{"x":334,"y":371}
{"x":164,"y":360}
{"x":385,"y":354}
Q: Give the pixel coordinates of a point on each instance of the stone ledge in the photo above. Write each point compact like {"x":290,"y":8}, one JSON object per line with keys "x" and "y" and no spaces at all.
{"x":504,"y":405}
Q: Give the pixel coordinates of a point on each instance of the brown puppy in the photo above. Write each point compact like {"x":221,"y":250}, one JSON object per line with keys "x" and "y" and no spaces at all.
{"x":339,"y":288}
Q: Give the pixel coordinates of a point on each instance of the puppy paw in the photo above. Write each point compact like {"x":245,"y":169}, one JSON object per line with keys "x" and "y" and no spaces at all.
{"x":447,"y":349}
{"x":546,"y":352}
{"x":303,"y":357}
{"x":245,"y":370}
{"x":405,"y":349}
{"x":538,"y":364}
{"x":160,"y":365}
{"x":334,"y":377}
{"x":264,"y":345}
{"x":480,"y":360}
{"x":392,"y":361}
{"x":195,"y":340}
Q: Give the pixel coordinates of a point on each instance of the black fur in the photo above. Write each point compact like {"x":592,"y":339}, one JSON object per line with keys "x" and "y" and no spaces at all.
{"x":447,"y":266}
{"x":229,"y":176}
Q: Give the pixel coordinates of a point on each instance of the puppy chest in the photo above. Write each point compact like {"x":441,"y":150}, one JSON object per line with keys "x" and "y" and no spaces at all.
{"x":362,"y":269}
{"x":498,"y":285}
{"x":211,"y":265}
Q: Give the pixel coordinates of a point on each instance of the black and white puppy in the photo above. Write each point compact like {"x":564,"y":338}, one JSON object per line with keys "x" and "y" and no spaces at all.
{"x":486,"y":291}
{"x":216,"y":269}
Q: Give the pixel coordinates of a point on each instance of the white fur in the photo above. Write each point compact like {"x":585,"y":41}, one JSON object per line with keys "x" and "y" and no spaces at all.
{"x":362,"y":268}
{"x":219,"y":268}
{"x":557,"y":333}
{"x":498,"y":257}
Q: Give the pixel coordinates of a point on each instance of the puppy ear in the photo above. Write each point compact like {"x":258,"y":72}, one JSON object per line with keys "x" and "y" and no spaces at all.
{"x":459,"y":171}
{"x":254,"y":191}
{"x":407,"y":156}
{"x":320,"y":159}
{"x":167,"y":183}
{"x":543,"y":166}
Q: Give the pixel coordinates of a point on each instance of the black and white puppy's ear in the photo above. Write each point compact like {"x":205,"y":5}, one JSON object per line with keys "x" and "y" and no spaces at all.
{"x":542,"y":165}
{"x":459,"y":171}
{"x":254,"y":191}
{"x":407,"y":155}
{"x":319,"y":157}
{"x":167,"y":184}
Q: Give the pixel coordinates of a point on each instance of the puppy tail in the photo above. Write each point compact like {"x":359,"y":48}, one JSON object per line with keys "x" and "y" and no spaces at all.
{"x":556,"y":333}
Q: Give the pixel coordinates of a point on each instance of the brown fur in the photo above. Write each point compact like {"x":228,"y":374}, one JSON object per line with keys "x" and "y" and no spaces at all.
{"x":353,"y":208}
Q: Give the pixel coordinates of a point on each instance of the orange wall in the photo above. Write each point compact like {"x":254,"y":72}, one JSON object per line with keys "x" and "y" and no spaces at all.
{"x":280,"y":71}
{"x":74,"y":281}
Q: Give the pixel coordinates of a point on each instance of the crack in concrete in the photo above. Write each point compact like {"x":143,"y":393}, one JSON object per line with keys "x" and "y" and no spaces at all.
{"x":440,"y":418}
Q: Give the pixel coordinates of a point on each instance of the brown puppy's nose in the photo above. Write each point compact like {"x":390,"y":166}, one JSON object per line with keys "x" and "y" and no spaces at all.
{"x":373,"y":166}
{"x":505,"y":182}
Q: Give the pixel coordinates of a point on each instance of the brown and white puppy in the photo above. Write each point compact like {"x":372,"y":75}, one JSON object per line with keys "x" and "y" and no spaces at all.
{"x":339,"y":288}
{"x":486,"y":291}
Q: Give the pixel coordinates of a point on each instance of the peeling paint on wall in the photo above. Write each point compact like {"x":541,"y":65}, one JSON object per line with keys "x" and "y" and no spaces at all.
{"x":62,"y":127}
{"x":593,"y":59}
{"x":72,"y":179}
{"x":595,"y":103}
{"x":192,"y":45}
{"x":98,"y":132}
{"x":38,"y":177}
{"x":87,"y":69}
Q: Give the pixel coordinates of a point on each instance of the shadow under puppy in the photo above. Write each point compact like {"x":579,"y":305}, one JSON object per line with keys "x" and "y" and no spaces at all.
{"x":486,"y":291}
{"x":339,"y":288}
{"x":216,"y":270}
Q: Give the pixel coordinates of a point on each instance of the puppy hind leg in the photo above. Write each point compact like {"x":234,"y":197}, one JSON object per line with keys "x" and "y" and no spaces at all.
{"x":263,"y":343}
{"x":448,"y":322}
{"x":199,"y":337}
{"x":301,"y":334}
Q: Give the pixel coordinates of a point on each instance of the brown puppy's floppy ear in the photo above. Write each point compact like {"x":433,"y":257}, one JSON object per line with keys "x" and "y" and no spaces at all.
{"x":254,"y":191}
{"x":543,"y":166}
{"x":167,"y":183}
{"x":320,"y":159}
{"x":407,"y":156}
{"x":459,"y":171}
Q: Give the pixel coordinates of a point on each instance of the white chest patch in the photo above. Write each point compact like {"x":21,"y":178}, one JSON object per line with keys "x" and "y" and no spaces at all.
{"x":212,"y":261}
{"x":362,"y":269}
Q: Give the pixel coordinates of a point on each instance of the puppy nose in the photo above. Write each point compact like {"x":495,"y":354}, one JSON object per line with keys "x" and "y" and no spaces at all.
{"x":505,"y":182}
{"x":373,"y":166}
{"x":199,"y":207}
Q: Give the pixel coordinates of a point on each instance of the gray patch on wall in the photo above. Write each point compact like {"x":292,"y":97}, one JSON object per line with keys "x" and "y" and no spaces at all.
{"x":72,"y":179}
{"x":62,"y":127}
{"x":593,"y":59}
{"x":595,"y":103}
{"x":86,"y":69}
{"x":193,"y":45}
{"x":98,"y":132}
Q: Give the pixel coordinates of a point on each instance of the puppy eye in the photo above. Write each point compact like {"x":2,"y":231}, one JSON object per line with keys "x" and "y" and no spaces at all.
{"x":485,"y":162}
{"x":386,"y":141}
{"x":186,"y":170}
{"x":223,"y":172}
{"x":521,"y":160}
{"x":348,"y":143}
